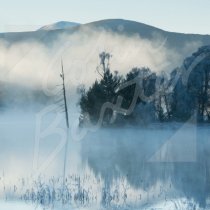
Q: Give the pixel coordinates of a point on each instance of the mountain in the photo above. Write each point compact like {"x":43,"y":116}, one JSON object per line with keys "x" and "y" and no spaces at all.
{"x":118,"y":26}
{"x":59,"y":25}
{"x":150,"y":32}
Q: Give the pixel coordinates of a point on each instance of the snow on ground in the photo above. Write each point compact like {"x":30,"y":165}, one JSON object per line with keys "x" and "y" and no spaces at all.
{"x":17,"y":206}
{"x":176,"y":204}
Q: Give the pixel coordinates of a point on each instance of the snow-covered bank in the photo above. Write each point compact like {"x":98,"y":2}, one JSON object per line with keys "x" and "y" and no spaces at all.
{"x":173,"y":204}
{"x":8,"y":205}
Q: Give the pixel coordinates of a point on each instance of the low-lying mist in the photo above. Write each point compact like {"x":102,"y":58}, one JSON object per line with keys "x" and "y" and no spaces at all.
{"x":35,"y":65}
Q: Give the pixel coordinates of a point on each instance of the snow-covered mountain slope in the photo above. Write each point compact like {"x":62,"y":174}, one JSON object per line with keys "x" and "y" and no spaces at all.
{"x":59,"y":25}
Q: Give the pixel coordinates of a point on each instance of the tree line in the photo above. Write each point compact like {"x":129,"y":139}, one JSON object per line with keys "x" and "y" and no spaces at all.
{"x":164,"y":97}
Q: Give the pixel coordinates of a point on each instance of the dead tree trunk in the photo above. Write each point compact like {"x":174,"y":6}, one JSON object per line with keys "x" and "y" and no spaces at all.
{"x":67,"y":126}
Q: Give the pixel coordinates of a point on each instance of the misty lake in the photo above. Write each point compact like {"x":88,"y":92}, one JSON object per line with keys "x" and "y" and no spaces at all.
{"x":127,"y":167}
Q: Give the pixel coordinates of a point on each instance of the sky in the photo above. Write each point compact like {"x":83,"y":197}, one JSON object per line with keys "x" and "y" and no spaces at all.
{"x":186,"y":16}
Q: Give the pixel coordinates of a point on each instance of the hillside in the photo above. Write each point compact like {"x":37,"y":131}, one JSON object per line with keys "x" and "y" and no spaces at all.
{"x":119,"y":26}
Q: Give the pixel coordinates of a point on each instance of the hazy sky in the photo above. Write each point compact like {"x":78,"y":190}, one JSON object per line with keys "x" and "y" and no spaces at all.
{"x":189,"y":16}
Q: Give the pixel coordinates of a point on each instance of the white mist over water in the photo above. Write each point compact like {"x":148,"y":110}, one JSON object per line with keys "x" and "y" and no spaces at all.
{"x":108,"y":153}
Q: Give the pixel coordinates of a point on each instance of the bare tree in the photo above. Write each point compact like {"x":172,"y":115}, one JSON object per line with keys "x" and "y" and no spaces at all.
{"x":64,"y":99}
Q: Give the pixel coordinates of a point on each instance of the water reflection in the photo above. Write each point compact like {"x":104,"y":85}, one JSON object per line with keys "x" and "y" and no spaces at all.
{"x":112,"y":153}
